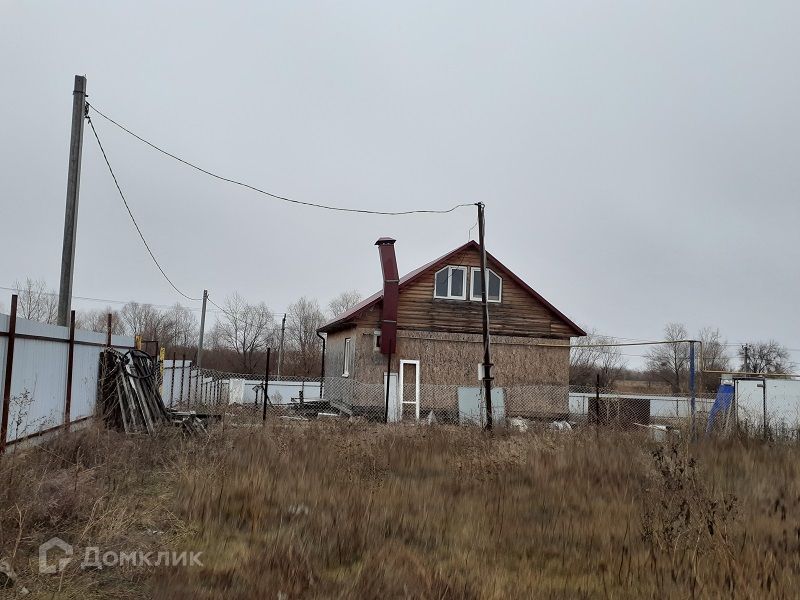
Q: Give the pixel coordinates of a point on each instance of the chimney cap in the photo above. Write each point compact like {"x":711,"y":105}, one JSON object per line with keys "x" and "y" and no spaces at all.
{"x":385,"y":241}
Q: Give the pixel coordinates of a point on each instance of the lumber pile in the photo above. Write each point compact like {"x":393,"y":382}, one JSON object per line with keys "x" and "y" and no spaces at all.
{"x":129,"y":399}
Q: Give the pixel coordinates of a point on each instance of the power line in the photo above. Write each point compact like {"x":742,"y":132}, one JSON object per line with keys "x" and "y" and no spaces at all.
{"x":270,"y":194}
{"x":245,"y":321}
{"x":102,"y":300}
{"x":123,"y":302}
{"x":128,"y":208}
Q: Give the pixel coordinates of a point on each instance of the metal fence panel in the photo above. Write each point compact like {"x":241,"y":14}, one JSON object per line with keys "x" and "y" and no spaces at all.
{"x":39,"y":375}
{"x":38,"y":382}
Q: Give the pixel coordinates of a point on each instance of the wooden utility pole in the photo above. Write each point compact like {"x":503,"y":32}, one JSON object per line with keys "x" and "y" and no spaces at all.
{"x":202,"y":330}
{"x":487,"y":360}
{"x":266,"y":387}
{"x":692,"y":390}
{"x":73,"y":188}
{"x":280,"y":348}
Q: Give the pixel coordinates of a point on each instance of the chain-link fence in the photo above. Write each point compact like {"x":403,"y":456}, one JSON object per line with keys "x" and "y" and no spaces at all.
{"x":184,"y":387}
{"x":241,"y":397}
{"x":513,"y":404}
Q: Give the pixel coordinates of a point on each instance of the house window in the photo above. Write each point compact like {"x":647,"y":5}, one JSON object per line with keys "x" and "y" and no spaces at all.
{"x":451,"y":283}
{"x":346,"y":359}
{"x":495,"y":286}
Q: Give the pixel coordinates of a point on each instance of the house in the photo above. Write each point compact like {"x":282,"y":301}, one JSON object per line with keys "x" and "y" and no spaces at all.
{"x":424,"y":331}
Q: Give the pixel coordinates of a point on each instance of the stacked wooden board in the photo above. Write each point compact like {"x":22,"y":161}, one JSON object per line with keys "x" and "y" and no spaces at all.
{"x":128,"y":396}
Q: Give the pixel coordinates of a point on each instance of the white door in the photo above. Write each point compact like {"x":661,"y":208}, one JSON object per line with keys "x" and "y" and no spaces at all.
{"x":408,"y":390}
{"x":394,"y":402}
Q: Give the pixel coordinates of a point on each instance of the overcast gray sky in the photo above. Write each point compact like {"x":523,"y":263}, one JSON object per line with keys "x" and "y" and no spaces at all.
{"x":638,"y":160}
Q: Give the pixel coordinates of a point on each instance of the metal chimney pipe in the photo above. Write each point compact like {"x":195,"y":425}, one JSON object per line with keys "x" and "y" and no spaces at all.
{"x":391,"y":281}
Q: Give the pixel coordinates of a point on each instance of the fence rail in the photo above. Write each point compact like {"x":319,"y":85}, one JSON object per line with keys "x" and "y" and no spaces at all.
{"x":48,"y":375}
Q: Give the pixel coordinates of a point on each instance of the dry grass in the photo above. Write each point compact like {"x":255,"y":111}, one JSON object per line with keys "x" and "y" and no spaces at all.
{"x":338,"y":510}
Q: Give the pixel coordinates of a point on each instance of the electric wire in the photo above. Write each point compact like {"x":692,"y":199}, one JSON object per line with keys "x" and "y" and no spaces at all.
{"x":270,"y":194}
{"x":130,"y":213}
{"x":247,"y":322}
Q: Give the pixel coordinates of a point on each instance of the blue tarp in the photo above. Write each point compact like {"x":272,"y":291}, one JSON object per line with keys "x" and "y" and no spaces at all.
{"x":721,"y":404}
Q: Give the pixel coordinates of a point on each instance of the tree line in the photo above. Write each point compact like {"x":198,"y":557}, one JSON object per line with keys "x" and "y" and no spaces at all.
{"x":594,"y":359}
{"x":237,"y":341}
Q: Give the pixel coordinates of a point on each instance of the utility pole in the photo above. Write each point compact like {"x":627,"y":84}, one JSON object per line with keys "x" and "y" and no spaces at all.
{"x":266,"y":387}
{"x":746,"y":359}
{"x":280,"y":349}
{"x":692,"y":384}
{"x":73,"y":188}
{"x":202,"y":330}
{"x":487,"y":361}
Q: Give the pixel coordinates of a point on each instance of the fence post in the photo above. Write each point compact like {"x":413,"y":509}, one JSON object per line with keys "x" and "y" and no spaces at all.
{"x":594,"y":404}
{"x":189,"y":387}
{"x":266,"y":388}
{"x":172,"y":381}
{"x":183,"y":371}
{"x":691,"y":384}
{"x":764,"y":406}
{"x":162,"y":355}
{"x":70,"y":362}
{"x":198,"y":389}
{"x":12,"y":333}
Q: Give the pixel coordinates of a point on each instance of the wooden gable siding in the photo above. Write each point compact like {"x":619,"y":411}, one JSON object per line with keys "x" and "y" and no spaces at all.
{"x":519,"y":313}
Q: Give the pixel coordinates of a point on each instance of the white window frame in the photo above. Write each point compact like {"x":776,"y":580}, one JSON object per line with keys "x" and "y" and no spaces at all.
{"x":472,"y":286}
{"x":450,"y":296}
{"x":348,"y":344}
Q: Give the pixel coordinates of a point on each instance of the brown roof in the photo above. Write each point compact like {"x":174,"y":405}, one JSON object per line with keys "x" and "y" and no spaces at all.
{"x":345,"y":318}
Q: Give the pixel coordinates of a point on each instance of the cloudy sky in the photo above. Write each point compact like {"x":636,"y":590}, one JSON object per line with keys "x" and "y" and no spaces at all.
{"x":638,"y":160}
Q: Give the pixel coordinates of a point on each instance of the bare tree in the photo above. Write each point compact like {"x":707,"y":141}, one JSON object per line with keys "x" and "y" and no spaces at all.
{"x":145,"y":320}
{"x":176,"y":326}
{"x":97,"y":320}
{"x":713,"y":354}
{"x":670,"y":362}
{"x":182,"y":326}
{"x":35,"y":302}
{"x":343,"y":302}
{"x":766,"y":357}
{"x":303,"y":318}
{"x":589,"y":358}
{"x":713,"y":357}
{"x":247,"y":329}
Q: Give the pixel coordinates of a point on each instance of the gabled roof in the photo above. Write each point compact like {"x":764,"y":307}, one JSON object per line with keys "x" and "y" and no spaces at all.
{"x":363,"y":306}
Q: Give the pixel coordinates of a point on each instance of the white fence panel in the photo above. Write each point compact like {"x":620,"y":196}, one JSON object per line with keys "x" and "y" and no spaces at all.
{"x":173,"y":371}
{"x":39,"y":374}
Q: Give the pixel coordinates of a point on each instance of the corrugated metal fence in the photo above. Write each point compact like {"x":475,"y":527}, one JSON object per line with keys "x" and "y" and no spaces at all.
{"x":36,"y":362}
